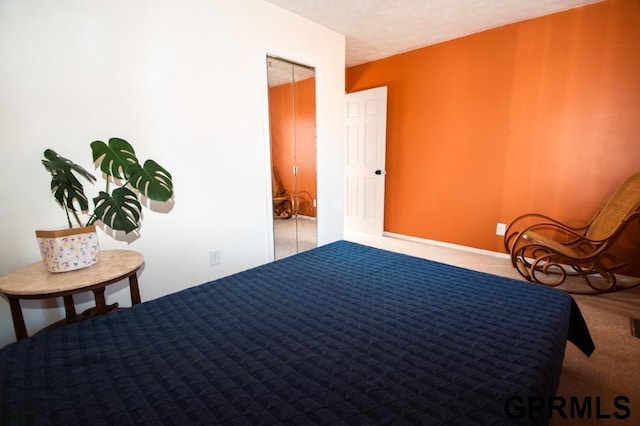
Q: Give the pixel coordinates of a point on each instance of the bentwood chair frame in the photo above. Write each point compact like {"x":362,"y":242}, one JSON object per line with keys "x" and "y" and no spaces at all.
{"x":546,"y":251}
{"x":282,"y":200}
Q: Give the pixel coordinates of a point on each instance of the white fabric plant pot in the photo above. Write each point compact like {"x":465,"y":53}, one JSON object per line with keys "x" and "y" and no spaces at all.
{"x":69,"y":249}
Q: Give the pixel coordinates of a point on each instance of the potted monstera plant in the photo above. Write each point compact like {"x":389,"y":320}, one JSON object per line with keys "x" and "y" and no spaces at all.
{"x":118,"y":207}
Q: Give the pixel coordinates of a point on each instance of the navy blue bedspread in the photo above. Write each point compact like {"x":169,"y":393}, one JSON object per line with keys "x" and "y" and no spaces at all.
{"x":343,"y":334}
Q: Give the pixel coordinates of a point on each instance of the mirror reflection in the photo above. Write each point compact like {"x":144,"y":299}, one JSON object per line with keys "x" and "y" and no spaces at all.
{"x":292,"y":121}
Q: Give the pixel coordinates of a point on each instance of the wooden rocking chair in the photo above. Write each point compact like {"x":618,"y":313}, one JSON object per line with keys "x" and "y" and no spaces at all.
{"x":545,"y":251}
{"x":282,"y":200}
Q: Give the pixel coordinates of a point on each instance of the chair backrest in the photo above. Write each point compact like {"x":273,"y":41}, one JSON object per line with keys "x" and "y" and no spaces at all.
{"x":624,"y":202}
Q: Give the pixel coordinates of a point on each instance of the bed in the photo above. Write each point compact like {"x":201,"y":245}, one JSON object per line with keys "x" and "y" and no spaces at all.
{"x":342,"y":334}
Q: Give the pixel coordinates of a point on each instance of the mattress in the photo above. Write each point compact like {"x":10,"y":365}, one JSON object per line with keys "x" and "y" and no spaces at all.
{"x":342,"y":334}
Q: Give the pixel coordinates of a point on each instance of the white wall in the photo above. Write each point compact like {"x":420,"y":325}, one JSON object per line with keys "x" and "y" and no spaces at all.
{"x":183,"y":81}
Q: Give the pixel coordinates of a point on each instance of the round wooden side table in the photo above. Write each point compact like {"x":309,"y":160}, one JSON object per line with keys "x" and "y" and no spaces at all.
{"x":35,"y":282}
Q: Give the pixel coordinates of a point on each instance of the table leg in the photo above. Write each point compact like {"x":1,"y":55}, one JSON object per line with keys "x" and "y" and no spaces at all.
{"x":133,"y":288}
{"x":101,"y":303}
{"x":69,"y":307}
{"x":18,"y":320}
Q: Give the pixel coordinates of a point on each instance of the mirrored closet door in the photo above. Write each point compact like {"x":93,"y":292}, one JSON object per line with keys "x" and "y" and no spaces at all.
{"x":292,"y":121}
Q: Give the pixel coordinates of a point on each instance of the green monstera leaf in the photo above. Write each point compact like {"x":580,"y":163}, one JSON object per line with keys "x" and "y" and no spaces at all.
{"x":65,"y":186}
{"x":120,"y":208}
{"x":151,"y":180}
{"x":120,"y":211}
{"x":114,"y":158}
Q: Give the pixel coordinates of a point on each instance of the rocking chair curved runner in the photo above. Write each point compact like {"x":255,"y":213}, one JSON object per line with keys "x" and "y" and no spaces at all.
{"x":546,"y":251}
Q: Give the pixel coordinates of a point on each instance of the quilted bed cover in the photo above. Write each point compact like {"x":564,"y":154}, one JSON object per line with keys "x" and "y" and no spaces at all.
{"x":342,"y":334}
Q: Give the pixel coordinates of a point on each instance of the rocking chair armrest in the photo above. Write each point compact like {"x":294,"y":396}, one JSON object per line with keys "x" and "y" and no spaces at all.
{"x":576,"y":233}
{"x":546,"y":218}
{"x":530,"y":236}
{"x":533,"y":238}
{"x":549,"y":222}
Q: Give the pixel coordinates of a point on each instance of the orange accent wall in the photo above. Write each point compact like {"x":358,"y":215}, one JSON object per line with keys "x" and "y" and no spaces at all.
{"x":284,"y":152}
{"x":538,"y":116}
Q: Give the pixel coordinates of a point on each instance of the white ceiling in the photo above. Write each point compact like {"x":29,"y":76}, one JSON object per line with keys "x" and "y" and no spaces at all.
{"x":376,"y":29}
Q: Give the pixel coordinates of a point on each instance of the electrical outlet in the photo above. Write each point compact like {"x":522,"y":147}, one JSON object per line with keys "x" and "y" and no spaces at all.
{"x":501,"y":228}
{"x":214,"y":257}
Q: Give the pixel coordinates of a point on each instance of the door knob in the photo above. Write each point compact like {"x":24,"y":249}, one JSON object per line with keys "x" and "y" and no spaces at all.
{"x":380,"y":172}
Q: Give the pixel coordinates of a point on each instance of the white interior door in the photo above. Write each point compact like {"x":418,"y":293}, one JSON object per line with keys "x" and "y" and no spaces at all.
{"x":365,"y":160}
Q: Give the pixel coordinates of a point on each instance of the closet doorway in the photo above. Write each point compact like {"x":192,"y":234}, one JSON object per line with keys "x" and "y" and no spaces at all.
{"x":292,"y":125}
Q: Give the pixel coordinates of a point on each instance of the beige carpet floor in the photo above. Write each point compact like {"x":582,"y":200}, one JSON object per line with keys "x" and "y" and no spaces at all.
{"x":612,"y":371}
{"x":294,"y":235}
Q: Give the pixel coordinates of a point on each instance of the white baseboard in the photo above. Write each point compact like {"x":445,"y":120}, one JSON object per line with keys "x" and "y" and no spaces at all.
{"x":447,"y":245}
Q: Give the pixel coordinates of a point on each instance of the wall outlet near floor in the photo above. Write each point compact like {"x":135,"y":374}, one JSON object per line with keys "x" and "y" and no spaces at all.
{"x":501,"y":228}
{"x":214,"y":257}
